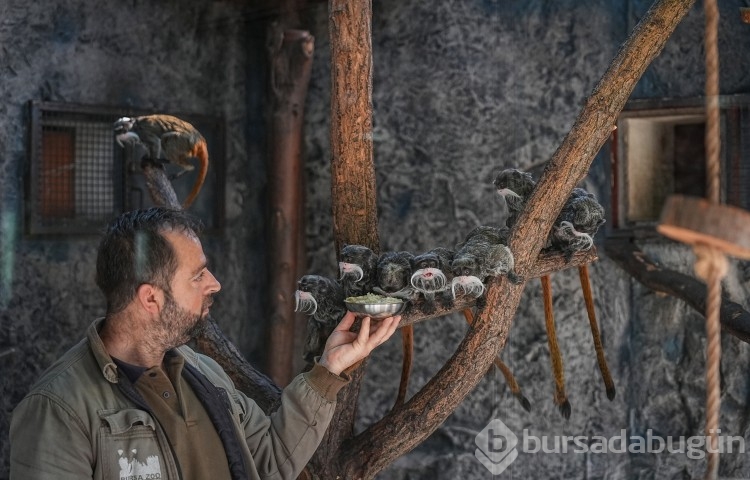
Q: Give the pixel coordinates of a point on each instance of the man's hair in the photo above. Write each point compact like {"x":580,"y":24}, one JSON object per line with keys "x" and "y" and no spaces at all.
{"x":133,"y":251}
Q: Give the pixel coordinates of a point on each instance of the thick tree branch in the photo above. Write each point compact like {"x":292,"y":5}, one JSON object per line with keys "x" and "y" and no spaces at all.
{"x":250,"y":381}
{"x":546,"y":263}
{"x":735,"y":320}
{"x":405,"y":427}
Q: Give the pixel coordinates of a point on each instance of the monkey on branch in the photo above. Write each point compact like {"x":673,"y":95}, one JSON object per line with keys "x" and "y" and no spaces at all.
{"x":167,"y":139}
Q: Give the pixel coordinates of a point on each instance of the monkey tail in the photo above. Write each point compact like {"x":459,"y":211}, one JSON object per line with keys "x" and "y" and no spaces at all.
{"x":407,"y":337}
{"x":588,"y":297}
{"x":199,"y":151}
{"x":561,"y":399}
{"x":515,"y":389}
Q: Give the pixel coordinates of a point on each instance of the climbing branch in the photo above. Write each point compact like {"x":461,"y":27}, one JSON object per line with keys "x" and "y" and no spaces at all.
{"x":735,"y":320}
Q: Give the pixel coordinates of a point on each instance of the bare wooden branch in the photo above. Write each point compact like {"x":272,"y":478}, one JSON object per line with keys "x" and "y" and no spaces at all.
{"x":735,"y":320}
{"x":159,"y":186}
{"x":253,"y":383}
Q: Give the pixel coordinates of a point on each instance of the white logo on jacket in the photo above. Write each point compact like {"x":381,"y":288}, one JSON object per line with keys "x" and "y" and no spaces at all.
{"x":131,"y":468}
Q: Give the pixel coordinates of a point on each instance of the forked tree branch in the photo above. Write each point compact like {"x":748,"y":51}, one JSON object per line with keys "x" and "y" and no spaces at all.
{"x":405,"y":427}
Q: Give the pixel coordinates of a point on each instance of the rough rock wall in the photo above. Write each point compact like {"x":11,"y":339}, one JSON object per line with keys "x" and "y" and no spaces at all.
{"x":149,"y":55}
{"x":462,"y":90}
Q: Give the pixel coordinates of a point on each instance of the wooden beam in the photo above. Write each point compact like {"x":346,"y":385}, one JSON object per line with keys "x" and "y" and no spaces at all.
{"x":290,"y":55}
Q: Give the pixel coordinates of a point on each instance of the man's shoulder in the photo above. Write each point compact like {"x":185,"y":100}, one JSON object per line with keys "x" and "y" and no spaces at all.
{"x":67,"y":370}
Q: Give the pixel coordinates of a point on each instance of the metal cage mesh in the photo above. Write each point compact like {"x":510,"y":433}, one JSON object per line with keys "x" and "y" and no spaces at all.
{"x":76,"y":171}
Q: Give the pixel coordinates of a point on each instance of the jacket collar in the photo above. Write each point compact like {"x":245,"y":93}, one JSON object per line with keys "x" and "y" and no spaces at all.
{"x":106,"y":364}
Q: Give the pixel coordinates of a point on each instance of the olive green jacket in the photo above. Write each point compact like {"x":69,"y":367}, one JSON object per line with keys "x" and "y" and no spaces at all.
{"x":82,"y":419}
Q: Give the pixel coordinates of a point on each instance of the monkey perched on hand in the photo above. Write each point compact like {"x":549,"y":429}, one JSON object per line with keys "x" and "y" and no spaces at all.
{"x":322,"y":298}
{"x":176,"y":139}
{"x":572,"y":231}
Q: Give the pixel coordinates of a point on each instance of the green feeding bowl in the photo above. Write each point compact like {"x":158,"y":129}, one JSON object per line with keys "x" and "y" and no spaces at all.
{"x":376,"y":307}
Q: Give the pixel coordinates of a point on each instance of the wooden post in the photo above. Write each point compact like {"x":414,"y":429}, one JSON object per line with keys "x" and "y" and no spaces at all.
{"x":290,"y":54}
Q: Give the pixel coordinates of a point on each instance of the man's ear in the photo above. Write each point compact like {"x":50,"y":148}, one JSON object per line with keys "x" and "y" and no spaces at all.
{"x":150,"y":298}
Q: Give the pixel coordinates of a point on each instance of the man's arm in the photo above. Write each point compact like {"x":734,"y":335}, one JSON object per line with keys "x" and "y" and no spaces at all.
{"x":282,"y":444}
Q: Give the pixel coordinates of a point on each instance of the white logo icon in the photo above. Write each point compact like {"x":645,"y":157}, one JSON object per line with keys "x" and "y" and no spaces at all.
{"x":497,"y":447}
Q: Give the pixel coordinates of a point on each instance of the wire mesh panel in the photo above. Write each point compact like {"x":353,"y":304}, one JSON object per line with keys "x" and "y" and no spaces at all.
{"x":79,"y":178}
{"x":76,"y":177}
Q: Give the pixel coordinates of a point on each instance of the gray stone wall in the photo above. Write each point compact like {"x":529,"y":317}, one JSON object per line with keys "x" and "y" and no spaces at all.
{"x":462,"y":90}
{"x":189,"y":57}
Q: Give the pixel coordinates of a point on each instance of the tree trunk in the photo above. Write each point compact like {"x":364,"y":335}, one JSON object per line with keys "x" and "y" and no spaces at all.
{"x":352,"y":180}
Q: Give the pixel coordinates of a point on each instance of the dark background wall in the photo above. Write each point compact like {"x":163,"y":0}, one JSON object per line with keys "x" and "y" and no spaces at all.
{"x":460,"y":90}
{"x":199,"y":57}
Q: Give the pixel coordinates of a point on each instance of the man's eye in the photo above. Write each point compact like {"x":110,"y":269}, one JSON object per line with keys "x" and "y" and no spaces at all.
{"x":200,"y":275}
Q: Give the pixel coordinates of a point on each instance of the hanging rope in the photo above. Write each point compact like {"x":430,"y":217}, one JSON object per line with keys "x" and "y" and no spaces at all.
{"x":711,"y":264}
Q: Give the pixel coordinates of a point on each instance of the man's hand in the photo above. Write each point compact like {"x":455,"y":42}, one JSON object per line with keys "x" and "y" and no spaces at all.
{"x":344,"y":348}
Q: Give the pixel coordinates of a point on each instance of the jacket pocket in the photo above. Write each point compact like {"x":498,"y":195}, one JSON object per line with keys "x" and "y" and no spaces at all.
{"x":129,"y":447}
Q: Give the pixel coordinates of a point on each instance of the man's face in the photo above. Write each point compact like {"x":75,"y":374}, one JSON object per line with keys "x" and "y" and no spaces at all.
{"x":192,"y":288}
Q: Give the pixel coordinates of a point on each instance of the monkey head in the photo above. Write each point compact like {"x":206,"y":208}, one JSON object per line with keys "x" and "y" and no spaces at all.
{"x":394,"y":274}
{"x":429,"y":271}
{"x":123,"y":133}
{"x":515,"y":187}
{"x":320,"y":297}
{"x":514,"y":183}
{"x":357,"y":269}
{"x":465,"y":268}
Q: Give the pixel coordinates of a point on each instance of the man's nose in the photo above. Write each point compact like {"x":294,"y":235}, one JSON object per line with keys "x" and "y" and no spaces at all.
{"x":214,"y":285}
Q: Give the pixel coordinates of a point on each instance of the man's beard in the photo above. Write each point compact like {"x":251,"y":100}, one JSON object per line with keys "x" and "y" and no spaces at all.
{"x":179,"y":325}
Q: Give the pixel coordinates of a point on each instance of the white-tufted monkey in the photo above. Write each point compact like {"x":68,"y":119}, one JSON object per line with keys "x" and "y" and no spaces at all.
{"x":167,"y":138}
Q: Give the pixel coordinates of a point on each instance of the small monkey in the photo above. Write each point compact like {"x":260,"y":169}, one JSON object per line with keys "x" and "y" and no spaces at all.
{"x":175,"y":139}
{"x":322,"y":298}
{"x":579,"y":212}
{"x":482,"y":254}
{"x":393,"y":279}
{"x":429,"y":273}
{"x":578,"y":221}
